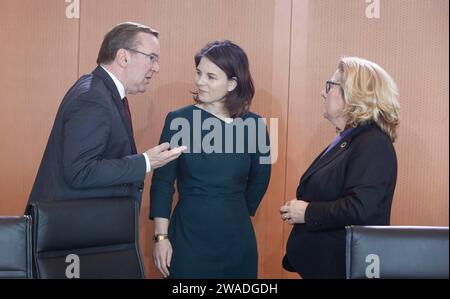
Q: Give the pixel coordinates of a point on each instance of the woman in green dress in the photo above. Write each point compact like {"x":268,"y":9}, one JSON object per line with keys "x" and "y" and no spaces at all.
{"x":221,"y":178}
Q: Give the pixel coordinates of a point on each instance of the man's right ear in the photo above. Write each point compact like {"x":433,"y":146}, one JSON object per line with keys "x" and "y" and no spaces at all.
{"x":122,"y":57}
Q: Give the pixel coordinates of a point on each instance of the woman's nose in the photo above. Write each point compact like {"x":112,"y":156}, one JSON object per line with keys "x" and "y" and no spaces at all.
{"x":199,"y":80}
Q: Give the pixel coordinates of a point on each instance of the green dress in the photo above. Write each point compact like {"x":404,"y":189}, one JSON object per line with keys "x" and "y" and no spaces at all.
{"x":210,"y":228}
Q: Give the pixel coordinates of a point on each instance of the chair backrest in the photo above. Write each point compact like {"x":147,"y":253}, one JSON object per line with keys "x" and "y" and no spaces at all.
{"x":397,"y":252}
{"x":87,"y":238}
{"x":15,"y":247}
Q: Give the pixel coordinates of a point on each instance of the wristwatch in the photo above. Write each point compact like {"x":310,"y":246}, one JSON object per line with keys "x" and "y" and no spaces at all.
{"x":159,"y":237}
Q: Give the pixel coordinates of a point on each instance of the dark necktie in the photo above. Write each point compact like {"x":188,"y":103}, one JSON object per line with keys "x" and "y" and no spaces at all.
{"x":127,"y":110}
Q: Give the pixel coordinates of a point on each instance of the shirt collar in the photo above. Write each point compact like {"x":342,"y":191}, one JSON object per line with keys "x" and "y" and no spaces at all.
{"x":345,"y":132}
{"x":119,"y":85}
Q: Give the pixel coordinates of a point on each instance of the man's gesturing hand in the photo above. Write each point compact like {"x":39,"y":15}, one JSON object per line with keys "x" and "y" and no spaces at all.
{"x":161,"y":154}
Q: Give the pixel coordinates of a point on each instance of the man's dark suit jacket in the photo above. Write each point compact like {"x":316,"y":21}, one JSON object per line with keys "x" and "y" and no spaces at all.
{"x":91,"y":150}
{"x":351,"y":184}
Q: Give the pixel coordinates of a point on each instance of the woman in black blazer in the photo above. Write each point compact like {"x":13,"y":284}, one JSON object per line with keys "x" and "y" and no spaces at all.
{"x":352,"y":181}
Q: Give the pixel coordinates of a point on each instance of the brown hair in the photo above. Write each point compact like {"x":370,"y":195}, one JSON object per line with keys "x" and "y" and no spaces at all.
{"x":230,"y":58}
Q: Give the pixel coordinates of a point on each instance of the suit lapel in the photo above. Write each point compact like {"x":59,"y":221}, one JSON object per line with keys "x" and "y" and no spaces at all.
{"x":335,"y":152}
{"x":100,"y":72}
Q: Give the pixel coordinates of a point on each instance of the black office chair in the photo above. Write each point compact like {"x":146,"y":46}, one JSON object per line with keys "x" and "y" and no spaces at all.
{"x":397,"y":252}
{"x":87,"y":238}
{"x":15,"y":247}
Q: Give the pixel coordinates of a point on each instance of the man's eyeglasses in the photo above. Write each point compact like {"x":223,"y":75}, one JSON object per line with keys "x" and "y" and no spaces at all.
{"x":328,"y":85}
{"x":153,"y":57}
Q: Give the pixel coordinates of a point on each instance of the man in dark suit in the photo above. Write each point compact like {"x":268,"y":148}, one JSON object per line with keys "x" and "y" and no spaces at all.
{"x":91,"y":150}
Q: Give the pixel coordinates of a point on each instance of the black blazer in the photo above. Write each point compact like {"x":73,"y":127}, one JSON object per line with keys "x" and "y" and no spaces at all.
{"x":351,"y":184}
{"x":91,"y":150}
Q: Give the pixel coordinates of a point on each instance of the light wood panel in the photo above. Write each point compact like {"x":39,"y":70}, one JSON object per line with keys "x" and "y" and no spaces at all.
{"x":40,"y":60}
{"x":421,"y":69}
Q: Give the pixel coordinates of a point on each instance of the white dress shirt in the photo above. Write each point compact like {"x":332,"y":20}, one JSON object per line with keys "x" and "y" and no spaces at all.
{"x":121,"y":90}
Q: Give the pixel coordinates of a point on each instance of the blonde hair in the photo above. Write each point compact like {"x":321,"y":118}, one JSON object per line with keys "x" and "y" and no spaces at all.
{"x":371,"y":95}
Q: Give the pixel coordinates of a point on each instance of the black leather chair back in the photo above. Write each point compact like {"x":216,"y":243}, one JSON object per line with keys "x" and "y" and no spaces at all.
{"x":15,"y":247}
{"x":101,"y":233}
{"x":397,"y":252}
